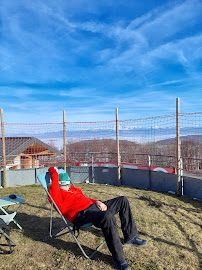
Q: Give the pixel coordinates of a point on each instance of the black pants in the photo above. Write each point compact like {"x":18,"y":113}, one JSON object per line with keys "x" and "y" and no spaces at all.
{"x":107,"y":222}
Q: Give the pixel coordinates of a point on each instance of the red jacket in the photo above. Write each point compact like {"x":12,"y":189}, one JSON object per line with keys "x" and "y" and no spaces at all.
{"x":69,"y":202}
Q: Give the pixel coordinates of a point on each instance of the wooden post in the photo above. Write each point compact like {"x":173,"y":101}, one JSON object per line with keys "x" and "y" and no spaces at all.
{"x":64,"y":141}
{"x":178,"y":146}
{"x":3,"y":149}
{"x":118,"y":151}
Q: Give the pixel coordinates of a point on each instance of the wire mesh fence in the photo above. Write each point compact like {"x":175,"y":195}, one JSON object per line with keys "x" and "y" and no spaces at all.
{"x":91,"y":142}
{"x":154,"y":137}
{"x":143,"y":143}
{"x":191,"y":142}
{"x":32,"y":145}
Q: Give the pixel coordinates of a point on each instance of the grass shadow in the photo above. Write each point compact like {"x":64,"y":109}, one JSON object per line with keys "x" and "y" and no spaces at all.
{"x":37,"y":229}
{"x":162,"y":207}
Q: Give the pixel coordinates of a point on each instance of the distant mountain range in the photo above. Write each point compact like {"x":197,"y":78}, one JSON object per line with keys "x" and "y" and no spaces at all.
{"x":195,"y":138}
{"x":139,"y":135}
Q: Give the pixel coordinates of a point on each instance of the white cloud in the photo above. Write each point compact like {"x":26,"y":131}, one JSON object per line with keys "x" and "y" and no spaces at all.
{"x":166,"y":83}
{"x":78,"y":92}
{"x":153,"y":26}
{"x":19,"y":93}
{"x":172,"y":21}
{"x":57,"y":44}
{"x":152,"y":36}
{"x":182,"y":51}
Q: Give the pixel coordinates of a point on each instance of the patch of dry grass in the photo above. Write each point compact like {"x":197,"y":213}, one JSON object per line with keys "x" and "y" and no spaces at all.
{"x":172,"y":226}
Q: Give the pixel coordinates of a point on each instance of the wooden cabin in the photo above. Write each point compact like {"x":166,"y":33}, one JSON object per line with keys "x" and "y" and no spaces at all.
{"x":26,"y":152}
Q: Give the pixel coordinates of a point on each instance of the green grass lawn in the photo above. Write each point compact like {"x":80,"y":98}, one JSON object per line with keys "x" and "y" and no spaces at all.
{"x":172,"y":225}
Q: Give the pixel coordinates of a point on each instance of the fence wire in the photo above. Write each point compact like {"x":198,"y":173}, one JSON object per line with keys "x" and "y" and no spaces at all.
{"x":154,"y":137}
{"x":32,"y":145}
{"x":149,"y":141}
{"x":91,"y":142}
{"x":191,"y":142}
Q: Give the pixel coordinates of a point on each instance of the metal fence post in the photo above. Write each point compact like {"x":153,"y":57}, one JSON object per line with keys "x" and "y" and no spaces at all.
{"x":149,"y":167}
{"x":93,"y":170}
{"x":118,"y":151}
{"x":178,"y":146}
{"x":64,"y":141}
{"x":3,"y":149}
{"x":181,"y":176}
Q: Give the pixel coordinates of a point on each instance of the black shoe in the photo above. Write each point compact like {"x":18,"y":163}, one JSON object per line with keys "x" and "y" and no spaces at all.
{"x":121,"y":265}
{"x":136,"y":241}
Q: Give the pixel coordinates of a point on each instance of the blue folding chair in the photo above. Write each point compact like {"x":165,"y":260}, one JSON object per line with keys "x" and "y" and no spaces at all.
{"x":45,"y":181}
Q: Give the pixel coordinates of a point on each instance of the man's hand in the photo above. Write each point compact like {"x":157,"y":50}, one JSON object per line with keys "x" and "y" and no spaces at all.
{"x":101,"y":206}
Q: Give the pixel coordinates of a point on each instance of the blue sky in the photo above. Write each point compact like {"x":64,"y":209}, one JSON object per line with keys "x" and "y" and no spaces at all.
{"x":88,"y":57}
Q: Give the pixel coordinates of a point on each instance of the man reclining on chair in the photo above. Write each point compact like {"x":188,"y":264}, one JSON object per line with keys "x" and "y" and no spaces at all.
{"x":79,"y":209}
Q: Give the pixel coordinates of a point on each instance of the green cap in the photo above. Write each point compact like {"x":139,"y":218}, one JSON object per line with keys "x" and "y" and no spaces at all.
{"x":64,"y":179}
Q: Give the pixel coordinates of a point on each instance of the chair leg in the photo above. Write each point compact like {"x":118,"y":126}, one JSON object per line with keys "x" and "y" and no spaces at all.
{"x":57,"y":233}
{"x":8,"y":240}
{"x":6,"y":233}
{"x":51,"y":220}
